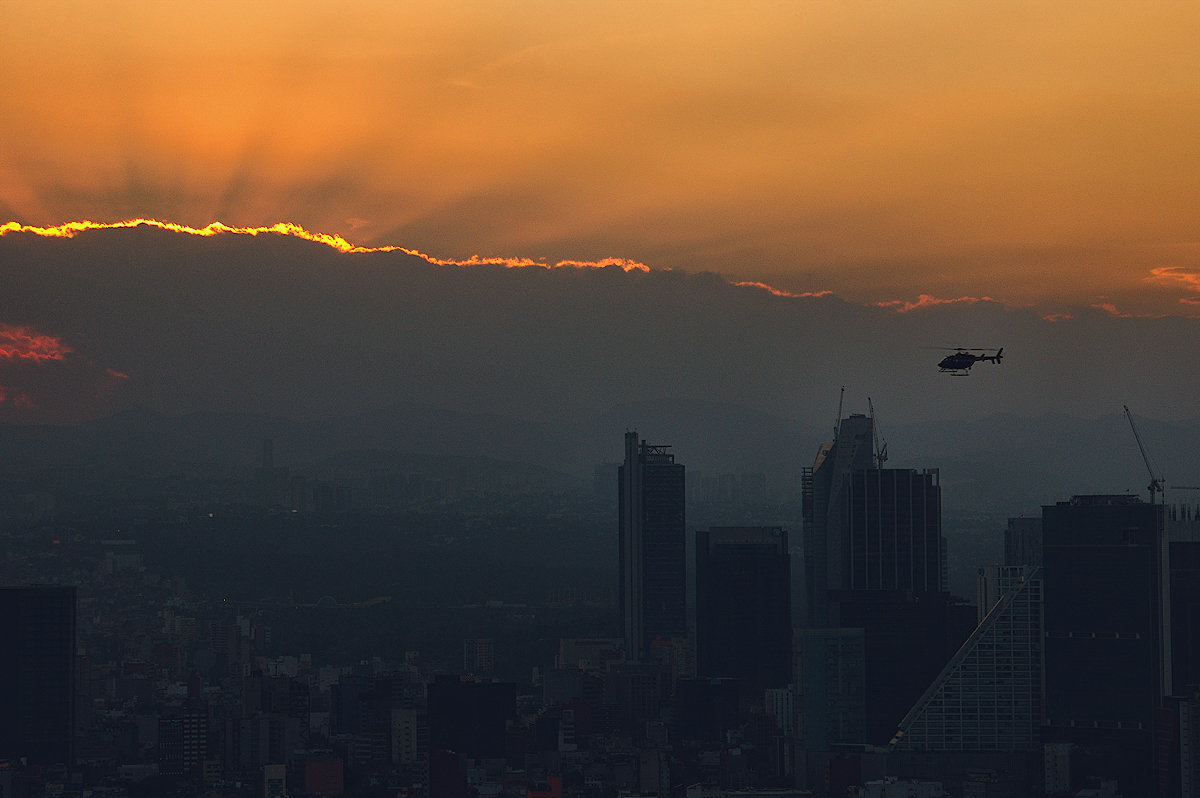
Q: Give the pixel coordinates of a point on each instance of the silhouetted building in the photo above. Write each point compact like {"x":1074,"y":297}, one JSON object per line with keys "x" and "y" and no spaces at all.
{"x":1107,"y":659}
{"x":37,"y":673}
{"x":183,"y":744}
{"x":743,"y":606}
{"x":909,"y":638}
{"x":1023,"y":541}
{"x":1183,"y":531}
{"x":479,"y":656}
{"x":470,"y":718}
{"x":467,"y":721}
{"x":867,"y":528}
{"x":825,"y":506}
{"x":705,"y":709}
{"x":830,"y":679}
{"x":988,"y":697}
{"x":875,"y":559}
{"x":652,"y":546}
{"x":1189,"y":748}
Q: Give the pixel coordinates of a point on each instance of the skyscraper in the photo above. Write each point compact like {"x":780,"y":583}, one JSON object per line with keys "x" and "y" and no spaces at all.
{"x":1107,"y":650}
{"x":824,"y":510}
{"x":867,"y":528}
{"x":1023,"y":541}
{"x":892,"y":535}
{"x":829,"y":674}
{"x":988,"y":697}
{"x":875,"y":559}
{"x":743,"y":602}
{"x":652,"y":546}
{"x":37,"y":673}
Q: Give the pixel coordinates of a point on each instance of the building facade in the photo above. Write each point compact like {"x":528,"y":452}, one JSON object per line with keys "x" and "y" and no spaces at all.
{"x":37,"y":673}
{"x":988,"y":697}
{"x":652,"y":546}
{"x":1107,"y":653}
{"x":743,"y":602}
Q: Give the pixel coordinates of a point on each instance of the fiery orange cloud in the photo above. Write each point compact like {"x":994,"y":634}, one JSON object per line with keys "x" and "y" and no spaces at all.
{"x":926,"y":301}
{"x":24,"y":343}
{"x":71,"y":229}
{"x":1184,"y":277}
{"x":1111,"y":310}
{"x":43,"y":374}
{"x":1181,"y":275}
{"x":770,"y":289}
{"x":1115,"y":312}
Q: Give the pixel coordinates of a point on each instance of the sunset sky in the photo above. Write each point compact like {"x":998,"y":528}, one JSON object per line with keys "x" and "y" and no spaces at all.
{"x":1042,"y":154}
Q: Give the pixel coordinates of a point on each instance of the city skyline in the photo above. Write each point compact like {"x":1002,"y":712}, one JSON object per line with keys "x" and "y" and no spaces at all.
{"x":315,"y":321}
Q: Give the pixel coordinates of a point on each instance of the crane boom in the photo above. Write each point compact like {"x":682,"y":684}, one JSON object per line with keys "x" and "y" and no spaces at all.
{"x":880,"y":442}
{"x":837,"y":425}
{"x":1156,"y":482}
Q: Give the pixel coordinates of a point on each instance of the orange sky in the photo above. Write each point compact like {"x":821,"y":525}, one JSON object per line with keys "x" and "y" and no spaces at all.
{"x":1040,"y":153}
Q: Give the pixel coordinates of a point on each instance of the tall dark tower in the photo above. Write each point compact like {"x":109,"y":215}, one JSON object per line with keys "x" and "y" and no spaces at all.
{"x":826,"y":486}
{"x":743,"y":603}
{"x":37,"y":673}
{"x":875,"y":559}
{"x":652,"y":546}
{"x":868,"y":528}
{"x":1107,"y":633}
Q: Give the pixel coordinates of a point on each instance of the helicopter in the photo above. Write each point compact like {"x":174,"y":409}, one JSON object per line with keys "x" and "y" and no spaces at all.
{"x":959,"y":364}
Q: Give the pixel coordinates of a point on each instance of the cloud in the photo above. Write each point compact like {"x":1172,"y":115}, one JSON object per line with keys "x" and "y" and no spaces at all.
{"x":927,"y":301}
{"x":1112,"y":310}
{"x":39,"y":371}
{"x":678,"y":140}
{"x":288,"y":322}
{"x":26,"y":343}
{"x":71,"y":229}
{"x":1185,"y":277}
{"x":780,"y":292}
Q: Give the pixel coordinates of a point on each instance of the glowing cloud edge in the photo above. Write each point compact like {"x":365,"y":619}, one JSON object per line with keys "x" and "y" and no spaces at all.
{"x":1167,"y":275}
{"x":71,"y":229}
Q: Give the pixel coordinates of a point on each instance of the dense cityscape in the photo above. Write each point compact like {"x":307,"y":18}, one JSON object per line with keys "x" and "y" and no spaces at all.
{"x":668,"y":634}
{"x":435,"y":399}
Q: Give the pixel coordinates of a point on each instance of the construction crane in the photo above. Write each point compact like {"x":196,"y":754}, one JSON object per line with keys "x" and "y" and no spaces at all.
{"x":880,"y":442}
{"x":1156,"y":482}
{"x":837,"y":425}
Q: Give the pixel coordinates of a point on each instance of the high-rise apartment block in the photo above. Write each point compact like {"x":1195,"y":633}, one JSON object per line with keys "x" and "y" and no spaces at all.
{"x":743,"y":603}
{"x":1023,"y":541}
{"x":37,"y":673}
{"x":829,"y":674}
{"x":1107,"y":632}
{"x":867,"y":528}
{"x":652,"y":546}
{"x":988,"y":697}
{"x":875,"y":559}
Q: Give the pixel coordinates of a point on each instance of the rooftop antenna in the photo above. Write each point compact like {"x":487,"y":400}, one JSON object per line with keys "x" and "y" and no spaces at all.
{"x":1156,"y":482}
{"x":880,"y":442}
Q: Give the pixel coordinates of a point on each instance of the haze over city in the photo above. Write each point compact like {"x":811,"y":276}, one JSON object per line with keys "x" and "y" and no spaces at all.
{"x":599,"y":344}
